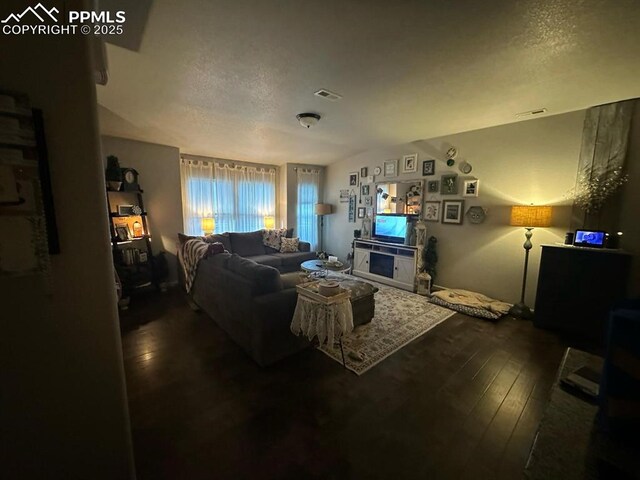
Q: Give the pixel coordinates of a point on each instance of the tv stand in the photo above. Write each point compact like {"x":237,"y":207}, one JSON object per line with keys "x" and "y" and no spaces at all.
{"x":389,"y":263}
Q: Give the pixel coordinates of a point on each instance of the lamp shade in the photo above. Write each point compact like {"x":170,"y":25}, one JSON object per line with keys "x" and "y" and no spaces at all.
{"x":530,"y":216}
{"x":323,"y":209}
{"x":208,"y":225}
{"x":269,"y":222}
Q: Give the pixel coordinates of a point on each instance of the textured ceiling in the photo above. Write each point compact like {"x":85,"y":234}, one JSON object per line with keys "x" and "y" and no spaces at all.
{"x":226,"y":78}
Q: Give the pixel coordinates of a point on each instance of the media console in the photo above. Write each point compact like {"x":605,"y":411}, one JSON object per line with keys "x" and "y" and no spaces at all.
{"x":387,"y":263}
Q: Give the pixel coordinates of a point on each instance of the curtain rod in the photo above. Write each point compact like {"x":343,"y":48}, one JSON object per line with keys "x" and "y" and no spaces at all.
{"x":202,"y":158}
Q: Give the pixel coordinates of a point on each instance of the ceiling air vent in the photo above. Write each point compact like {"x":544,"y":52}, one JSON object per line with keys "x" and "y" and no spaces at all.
{"x":328,"y":95}
{"x":531,"y":113}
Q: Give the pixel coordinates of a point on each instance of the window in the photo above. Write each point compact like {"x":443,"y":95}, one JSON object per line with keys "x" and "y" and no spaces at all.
{"x":307,"y":221}
{"x":237,"y":197}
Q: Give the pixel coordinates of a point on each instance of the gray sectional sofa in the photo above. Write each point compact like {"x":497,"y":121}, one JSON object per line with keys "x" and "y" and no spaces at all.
{"x":250,"y":293}
{"x":249,"y":245}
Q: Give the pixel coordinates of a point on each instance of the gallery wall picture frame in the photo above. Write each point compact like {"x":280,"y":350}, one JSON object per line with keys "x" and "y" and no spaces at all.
{"x":432,"y":210}
{"x":352,"y":209}
{"x":433,"y":186}
{"x":452,"y":211}
{"x":449,"y":184}
{"x":391,"y":168}
{"x":428,"y":167}
{"x":353,"y":179}
{"x":410,"y":163}
{"x":344,"y":195}
{"x":364,"y":190}
{"x":471,"y":188}
{"x":368,"y":201}
{"x":364,"y":172}
{"x":361,"y":212}
{"x":476,"y":214}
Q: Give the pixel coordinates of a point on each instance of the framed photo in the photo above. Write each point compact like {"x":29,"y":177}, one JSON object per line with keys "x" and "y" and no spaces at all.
{"x":470,"y":188}
{"x":410,"y":163}
{"x":391,"y":168}
{"x":433,"y":186}
{"x":352,"y":209}
{"x":122,"y":231}
{"x":428,"y":167}
{"x":364,"y":171}
{"x":125,"y":210}
{"x":368,"y":201}
{"x":361,"y":211}
{"x":353,"y":179}
{"x":432,"y":211}
{"x":452,"y":211}
{"x":344,"y":196}
{"x":449,"y":184}
{"x":364,"y":190}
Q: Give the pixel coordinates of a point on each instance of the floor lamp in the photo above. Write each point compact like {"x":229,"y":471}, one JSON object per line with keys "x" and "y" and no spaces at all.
{"x":529,"y":217}
{"x":322,"y":209}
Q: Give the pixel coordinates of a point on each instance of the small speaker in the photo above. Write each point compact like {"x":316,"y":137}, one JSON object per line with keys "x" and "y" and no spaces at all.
{"x":568,"y":238}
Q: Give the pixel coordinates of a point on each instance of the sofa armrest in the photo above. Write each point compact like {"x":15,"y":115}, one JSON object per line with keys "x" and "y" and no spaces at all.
{"x":304,"y":246}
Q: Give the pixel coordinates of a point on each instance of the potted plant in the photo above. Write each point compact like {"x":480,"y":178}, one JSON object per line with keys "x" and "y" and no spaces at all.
{"x":113,"y":173}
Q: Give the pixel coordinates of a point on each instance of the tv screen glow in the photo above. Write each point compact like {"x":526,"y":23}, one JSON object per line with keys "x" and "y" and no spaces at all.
{"x":391,"y":226}
{"x":589,"y":238}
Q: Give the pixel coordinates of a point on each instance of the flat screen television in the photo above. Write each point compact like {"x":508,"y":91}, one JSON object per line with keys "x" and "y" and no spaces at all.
{"x":391,"y":227}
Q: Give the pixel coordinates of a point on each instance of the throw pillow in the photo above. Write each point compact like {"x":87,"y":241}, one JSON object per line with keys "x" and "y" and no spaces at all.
{"x":289,"y":245}
{"x":271,"y":238}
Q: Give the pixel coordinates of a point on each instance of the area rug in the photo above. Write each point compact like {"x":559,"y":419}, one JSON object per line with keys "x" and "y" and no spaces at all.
{"x":400,"y":318}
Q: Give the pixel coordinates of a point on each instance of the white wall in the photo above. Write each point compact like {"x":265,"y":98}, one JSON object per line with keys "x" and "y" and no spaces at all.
{"x":159,"y":176}
{"x":527,"y":162}
{"x":63,"y":407}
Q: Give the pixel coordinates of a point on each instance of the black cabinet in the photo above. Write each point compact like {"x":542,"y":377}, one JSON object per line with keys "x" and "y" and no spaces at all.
{"x":577,"y":287}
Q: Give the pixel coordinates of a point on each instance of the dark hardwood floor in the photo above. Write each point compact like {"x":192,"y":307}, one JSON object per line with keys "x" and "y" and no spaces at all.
{"x":462,"y":401}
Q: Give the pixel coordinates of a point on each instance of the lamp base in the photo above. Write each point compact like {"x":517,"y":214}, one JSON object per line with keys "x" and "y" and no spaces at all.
{"x":520,"y":310}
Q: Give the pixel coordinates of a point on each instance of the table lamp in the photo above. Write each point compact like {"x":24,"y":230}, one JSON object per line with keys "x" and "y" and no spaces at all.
{"x":208,"y":225}
{"x":323,"y":209}
{"x":269,"y":222}
{"x":529,"y":217}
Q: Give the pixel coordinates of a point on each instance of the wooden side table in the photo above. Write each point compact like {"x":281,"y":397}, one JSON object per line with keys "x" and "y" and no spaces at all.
{"x":327,"y":318}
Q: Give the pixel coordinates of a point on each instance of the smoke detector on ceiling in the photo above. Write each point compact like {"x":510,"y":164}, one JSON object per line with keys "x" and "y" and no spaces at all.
{"x":323,"y":93}
{"x":531,"y":113}
{"x":308,"y":120}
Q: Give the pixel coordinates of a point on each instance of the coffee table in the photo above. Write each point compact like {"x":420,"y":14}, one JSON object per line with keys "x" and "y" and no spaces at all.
{"x":321,"y":268}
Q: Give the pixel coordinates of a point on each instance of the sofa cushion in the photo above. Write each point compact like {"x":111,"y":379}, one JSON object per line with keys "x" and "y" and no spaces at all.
{"x":294,"y":258}
{"x":289,"y":233}
{"x":222,"y":238}
{"x":289,"y":245}
{"x":219,"y":260}
{"x":270,"y":260}
{"x":247,"y":244}
{"x":266,"y":279}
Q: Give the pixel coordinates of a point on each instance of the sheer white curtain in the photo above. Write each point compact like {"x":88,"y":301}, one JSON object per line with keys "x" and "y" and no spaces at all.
{"x":236,"y":196}
{"x":308,"y":190}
